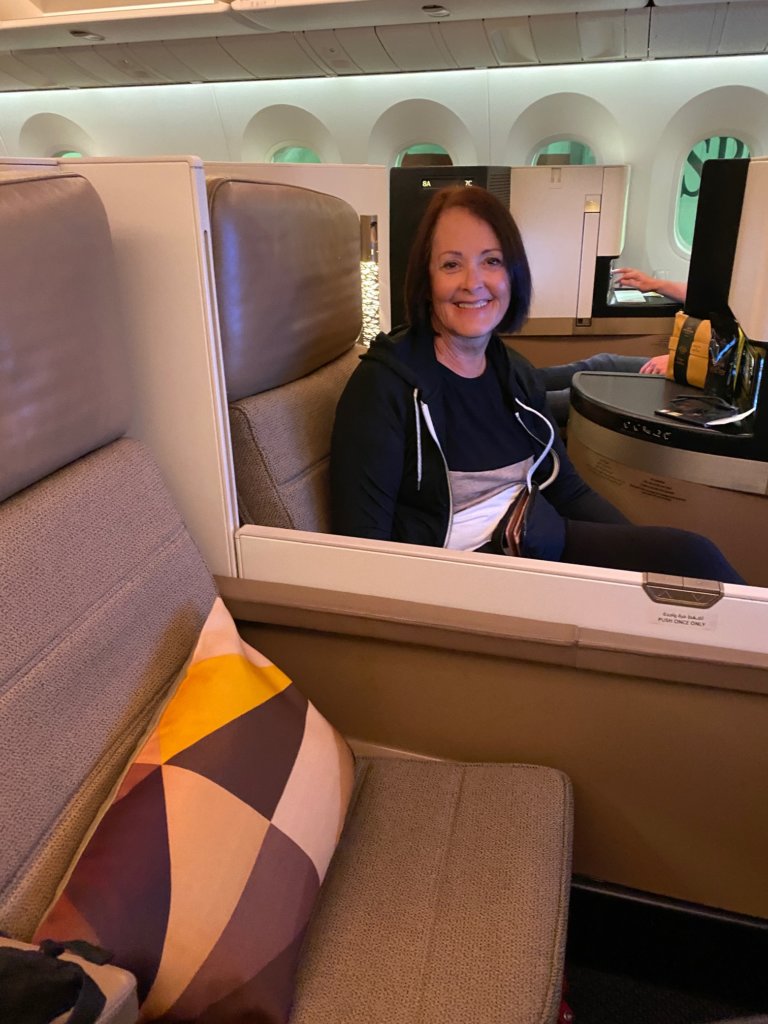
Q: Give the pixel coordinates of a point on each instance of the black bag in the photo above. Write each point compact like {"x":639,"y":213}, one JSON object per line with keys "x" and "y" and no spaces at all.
{"x":36,"y":987}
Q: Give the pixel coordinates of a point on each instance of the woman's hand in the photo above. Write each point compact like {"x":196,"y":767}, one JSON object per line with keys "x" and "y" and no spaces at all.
{"x":657,"y":365}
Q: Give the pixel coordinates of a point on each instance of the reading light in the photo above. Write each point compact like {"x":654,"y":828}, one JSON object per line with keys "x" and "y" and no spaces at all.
{"x":89,"y":37}
{"x":436,"y":11}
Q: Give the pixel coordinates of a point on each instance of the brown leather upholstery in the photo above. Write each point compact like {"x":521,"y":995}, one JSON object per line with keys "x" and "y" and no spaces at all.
{"x":63,"y":381}
{"x":287,"y":268}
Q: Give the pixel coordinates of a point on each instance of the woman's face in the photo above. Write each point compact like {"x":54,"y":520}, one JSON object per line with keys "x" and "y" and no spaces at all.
{"x":470,"y":283}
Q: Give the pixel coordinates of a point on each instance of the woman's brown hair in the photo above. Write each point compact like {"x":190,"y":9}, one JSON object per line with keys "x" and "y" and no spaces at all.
{"x":486,"y":207}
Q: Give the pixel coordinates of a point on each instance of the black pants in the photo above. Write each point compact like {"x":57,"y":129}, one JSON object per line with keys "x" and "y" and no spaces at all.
{"x":661,"y":549}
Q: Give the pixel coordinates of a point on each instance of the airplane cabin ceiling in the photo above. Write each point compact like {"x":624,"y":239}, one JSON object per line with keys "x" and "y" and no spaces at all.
{"x":270,"y":39}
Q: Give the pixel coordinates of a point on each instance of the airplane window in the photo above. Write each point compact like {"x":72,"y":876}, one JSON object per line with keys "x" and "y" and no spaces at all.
{"x":295,"y":155}
{"x":423,"y":154}
{"x":67,"y":152}
{"x":564,"y":151}
{"x":718,"y":147}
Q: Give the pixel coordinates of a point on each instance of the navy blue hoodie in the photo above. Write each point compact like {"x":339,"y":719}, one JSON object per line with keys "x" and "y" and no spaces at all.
{"x":389,"y":478}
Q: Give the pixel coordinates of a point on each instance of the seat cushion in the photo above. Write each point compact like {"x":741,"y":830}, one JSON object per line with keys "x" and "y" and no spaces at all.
{"x":281,"y":443}
{"x":446,"y":900}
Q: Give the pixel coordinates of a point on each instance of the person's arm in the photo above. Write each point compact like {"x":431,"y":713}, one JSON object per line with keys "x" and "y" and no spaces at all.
{"x":630,"y":277}
{"x":367,"y":452}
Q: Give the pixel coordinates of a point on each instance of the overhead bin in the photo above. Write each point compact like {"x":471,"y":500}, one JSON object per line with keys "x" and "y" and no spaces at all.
{"x":569,"y":38}
{"x":468,"y":44}
{"x":416,"y":47}
{"x":361,"y":46}
{"x":127,"y":61}
{"x":348,"y":37}
{"x":208,"y":59}
{"x":511,"y":40}
{"x":273,"y":56}
{"x":745,"y":29}
{"x":686,"y":31}
{"x":102,"y":64}
{"x":614,"y":36}
{"x":328,"y":47}
{"x":8,"y":83}
{"x":148,"y":63}
{"x":556,"y":39}
{"x":25,"y":75}
{"x":155,"y":56}
{"x":56,"y":69}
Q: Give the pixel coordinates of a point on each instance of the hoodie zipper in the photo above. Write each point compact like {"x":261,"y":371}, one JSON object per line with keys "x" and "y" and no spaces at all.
{"x":431,"y":428}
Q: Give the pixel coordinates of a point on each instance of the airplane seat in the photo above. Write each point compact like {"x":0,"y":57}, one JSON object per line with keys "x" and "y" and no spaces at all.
{"x":103,"y":591}
{"x":447,"y":896}
{"x":287,"y":269}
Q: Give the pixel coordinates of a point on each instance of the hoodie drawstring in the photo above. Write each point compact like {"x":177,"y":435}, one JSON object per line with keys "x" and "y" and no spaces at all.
{"x":547,"y":447}
{"x":418,"y":437}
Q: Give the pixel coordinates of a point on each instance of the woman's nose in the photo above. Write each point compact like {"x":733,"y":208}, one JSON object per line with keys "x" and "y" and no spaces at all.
{"x":472,"y":277}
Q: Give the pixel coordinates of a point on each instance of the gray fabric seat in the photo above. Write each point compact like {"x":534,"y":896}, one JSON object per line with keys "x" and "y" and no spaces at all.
{"x":103,"y":590}
{"x":287,"y":269}
{"x":446,"y":899}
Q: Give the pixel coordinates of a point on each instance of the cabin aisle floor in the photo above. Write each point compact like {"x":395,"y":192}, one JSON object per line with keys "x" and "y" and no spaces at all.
{"x":633,"y":962}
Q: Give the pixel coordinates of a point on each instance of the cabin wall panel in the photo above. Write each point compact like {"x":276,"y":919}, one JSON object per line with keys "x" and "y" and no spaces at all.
{"x":668,"y":779}
{"x":129,"y":122}
{"x":243,"y":110}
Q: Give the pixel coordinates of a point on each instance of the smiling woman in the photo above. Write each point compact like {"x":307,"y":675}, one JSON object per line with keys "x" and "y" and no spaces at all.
{"x":442,"y":430}
{"x":470,"y":290}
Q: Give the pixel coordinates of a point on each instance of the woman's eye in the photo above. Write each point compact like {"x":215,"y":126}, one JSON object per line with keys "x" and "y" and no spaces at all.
{"x":449,"y":265}
{"x":494,"y":261}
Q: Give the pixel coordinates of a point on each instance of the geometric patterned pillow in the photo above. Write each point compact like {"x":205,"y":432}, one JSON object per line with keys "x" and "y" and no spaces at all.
{"x":203,"y":871}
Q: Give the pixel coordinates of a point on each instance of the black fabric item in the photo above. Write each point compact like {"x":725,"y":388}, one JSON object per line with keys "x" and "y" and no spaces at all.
{"x":36,"y":987}
{"x":85,"y":950}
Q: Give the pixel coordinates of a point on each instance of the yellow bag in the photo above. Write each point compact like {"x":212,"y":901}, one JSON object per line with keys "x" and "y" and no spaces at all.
{"x":689,"y":350}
